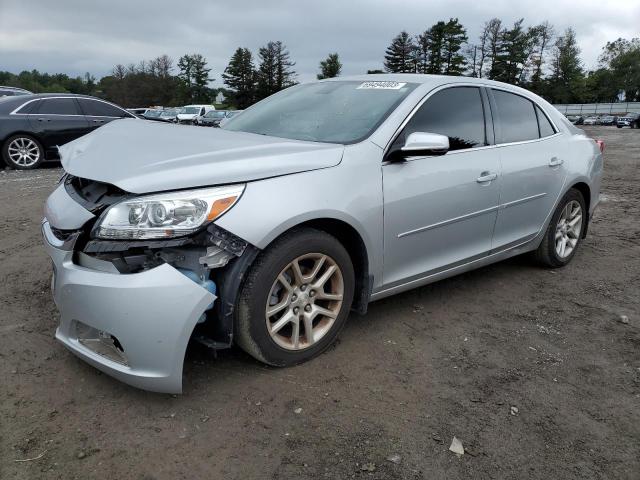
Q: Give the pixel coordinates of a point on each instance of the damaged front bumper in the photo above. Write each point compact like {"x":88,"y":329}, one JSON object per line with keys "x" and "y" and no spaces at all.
{"x":134,"y":327}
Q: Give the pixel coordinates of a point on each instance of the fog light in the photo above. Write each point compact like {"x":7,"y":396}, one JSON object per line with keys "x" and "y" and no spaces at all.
{"x":101,"y":342}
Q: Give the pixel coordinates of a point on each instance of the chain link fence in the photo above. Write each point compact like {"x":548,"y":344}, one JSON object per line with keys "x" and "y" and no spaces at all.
{"x":598,"y":108}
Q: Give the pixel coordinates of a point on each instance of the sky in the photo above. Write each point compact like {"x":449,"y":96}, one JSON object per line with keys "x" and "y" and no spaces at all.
{"x":77,"y":36}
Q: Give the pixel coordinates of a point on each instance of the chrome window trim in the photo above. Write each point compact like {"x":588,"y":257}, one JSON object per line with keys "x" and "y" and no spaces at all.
{"x":15,"y":110}
{"x":439,"y":88}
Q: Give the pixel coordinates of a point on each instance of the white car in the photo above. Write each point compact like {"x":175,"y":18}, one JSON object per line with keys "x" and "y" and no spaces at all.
{"x":592,"y":121}
{"x":189,"y":112}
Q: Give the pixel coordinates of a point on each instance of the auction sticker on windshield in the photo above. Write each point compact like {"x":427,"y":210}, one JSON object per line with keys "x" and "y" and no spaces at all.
{"x":382,"y":85}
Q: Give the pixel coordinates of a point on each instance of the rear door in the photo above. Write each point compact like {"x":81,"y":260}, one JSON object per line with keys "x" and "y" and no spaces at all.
{"x":57,"y":121}
{"x":98,"y":113}
{"x":532,"y":155}
{"x":439,"y":211}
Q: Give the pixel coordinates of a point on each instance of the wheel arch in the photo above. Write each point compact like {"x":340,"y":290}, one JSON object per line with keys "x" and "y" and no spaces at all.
{"x":585,"y":190}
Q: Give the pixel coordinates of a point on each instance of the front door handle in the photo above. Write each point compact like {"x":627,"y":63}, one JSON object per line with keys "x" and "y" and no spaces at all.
{"x":98,"y":121}
{"x":555,"y":162}
{"x":44,"y":119}
{"x":486,"y":177}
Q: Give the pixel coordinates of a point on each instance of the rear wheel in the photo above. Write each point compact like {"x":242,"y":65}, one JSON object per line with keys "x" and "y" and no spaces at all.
{"x":564,"y":233}
{"x":296,"y":298}
{"x":22,"y":152}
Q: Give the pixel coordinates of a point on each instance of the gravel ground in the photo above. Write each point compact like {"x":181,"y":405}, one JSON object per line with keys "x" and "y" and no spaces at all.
{"x":531,"y":369}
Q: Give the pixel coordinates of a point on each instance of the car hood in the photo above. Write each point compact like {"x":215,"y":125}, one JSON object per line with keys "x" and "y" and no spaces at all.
{"x":142,"y":157}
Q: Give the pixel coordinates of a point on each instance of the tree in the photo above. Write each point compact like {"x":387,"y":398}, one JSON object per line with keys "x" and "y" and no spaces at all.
{"x":435,"y":37}
{"x":455,"y":35}
{"x":622,"y":59}
{"x":512,"y":53}
{"x":542,"y":35}
{"x":422,"y":52}
{"x":240,"y":77}
{"x":566,"y":84}
{"x":194,"y":76}
{"x":490,"y":39}
{"x":400,"y":55}
{"x":330,"y":67}
{"x":275,"y":71}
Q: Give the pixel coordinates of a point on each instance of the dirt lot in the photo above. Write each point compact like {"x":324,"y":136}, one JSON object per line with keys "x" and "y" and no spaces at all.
{"x":450,"y":359}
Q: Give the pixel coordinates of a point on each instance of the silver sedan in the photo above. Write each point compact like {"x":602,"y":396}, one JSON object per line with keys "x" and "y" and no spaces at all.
{"x":267,"y":232}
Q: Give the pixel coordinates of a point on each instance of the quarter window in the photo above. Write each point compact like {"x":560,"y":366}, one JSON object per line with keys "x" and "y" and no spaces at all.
{"x":455,"y":112}
{"x":94,"y":108}
{"x":546,"y":129}
{"x":516,"y":116}
{"x":58,"y":106}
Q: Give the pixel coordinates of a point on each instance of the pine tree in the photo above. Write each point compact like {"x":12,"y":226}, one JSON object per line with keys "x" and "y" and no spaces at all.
{"x":194,"y":75}
{"x":422,"y":52}
{"x":275,"y":72}
{"x":455,"y":35}
{"x":436,"y":39}
{"x":400,"y":55}
{"x":330,"y":67}
{"x":541,"y":37}
{"x":240,"y":77}
{"x":513,"y":50}
{"x":566,"y":83}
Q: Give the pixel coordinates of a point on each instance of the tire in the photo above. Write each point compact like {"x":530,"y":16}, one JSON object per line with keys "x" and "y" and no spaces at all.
{"x":22,"y":152}
{"x":262,"y":336}
{"x":550,"y":252}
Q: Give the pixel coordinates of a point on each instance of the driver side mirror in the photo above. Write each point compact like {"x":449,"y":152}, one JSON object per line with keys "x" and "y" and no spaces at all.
{"x":422,"y":144}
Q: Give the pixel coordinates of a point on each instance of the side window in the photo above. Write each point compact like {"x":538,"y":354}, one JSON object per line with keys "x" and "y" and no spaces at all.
{"x":517,"y":117}
{"x":29,"y":107}
{"x":95,"y":108}
{"x":58,"y":106}
{"x":546,"y":129}
{"x":456,"y":112}
{"x":202,"y":111}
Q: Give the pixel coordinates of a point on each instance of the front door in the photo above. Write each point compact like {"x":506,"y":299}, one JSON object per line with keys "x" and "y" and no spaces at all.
{"x":440,"y":211}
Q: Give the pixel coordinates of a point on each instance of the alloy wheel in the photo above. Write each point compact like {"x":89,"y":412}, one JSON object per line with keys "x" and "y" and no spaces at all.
{"x":304,"y":301}
{"x":568,"y":229}
{"x":24,"y":152}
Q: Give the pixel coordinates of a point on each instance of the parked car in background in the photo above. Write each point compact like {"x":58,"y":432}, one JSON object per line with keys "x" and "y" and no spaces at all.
{"x":138,"y":111}
{"x":269,"y":231}
{"x":592,"y":121}
{"x":151,"y":113}
{"x":188,"y":113}
{"x":576,"y":119}
{"x":166,"y":115}
{"x":211,"y":119}
{"x":629,"y":120}
{"x":608,"y":120}
{"x":230,"y":114}
{"x":13,"y":91}
{"x":32,"y":127}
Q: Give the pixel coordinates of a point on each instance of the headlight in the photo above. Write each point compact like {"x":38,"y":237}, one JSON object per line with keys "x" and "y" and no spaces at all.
{"x":165,"y":215}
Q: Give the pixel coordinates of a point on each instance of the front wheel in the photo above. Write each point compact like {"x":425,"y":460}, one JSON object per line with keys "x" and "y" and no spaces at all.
{"x":564,"y":234}
{"x":296,"y":298}
{"x":22,"y":152}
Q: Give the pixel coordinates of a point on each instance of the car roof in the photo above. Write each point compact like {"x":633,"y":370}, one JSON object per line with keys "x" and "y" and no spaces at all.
{"x":8,"y":104}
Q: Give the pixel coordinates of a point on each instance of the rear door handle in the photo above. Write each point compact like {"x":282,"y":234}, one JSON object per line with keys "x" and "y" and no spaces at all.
{"x":98,"y":121}
{"x":486,"y":177}
{"x":555,"y":162}
{"x":44,"y":119}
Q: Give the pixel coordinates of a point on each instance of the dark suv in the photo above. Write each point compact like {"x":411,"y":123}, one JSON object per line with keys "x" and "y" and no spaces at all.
{"x":629,"y":120}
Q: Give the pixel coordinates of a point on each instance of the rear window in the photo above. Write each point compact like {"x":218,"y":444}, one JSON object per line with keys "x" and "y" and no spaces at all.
{"x":516,"y":117}
{"x":546,"y":129}
{"x":58,"y":106}
{"x":96,"y":108}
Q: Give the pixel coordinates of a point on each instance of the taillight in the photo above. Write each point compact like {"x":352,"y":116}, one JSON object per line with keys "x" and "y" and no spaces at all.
{"x":600,"y":145}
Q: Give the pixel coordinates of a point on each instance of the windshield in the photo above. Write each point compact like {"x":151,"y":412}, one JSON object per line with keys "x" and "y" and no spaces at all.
{"x":331,"y":112}
{"x":190,"y":110}
{"x":168,"y":113}
{"x":215,"y":114}
{"x":153,"y":113}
